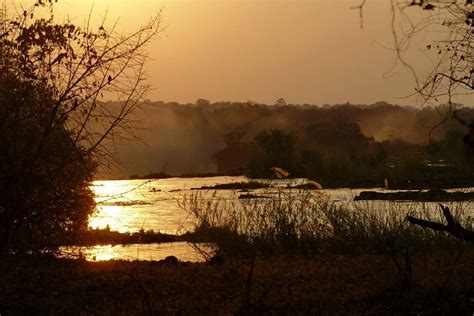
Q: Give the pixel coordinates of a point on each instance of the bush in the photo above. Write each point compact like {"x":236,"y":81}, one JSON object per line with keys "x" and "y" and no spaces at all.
{"x":44,"y":193}
{"x":53,"y":127}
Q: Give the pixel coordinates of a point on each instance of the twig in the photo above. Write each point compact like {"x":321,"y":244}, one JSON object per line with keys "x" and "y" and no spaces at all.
{"x":360,"y":7}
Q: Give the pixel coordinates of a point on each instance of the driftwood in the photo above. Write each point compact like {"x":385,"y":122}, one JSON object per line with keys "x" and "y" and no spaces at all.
{"x":453,"y":227}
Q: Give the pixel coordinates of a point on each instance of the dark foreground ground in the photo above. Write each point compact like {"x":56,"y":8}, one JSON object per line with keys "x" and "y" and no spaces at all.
{"x":442,"y":283}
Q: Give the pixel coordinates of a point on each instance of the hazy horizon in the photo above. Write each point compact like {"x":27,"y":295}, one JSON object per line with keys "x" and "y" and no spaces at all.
{"x":303,"y":51}
{"x":307,"y":52}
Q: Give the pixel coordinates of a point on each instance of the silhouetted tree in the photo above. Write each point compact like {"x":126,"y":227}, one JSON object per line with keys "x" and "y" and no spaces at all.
{"x":202,"y":102}
{"x":280,"y":102}
{"x":278,"y":146}
{"x":43,"y":194}
{"x":54,"y":128}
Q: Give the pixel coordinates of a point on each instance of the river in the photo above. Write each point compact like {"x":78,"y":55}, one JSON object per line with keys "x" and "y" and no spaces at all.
{"x":134,"y":205}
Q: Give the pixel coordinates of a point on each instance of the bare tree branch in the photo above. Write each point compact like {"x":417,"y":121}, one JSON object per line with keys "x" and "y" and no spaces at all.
{"x":453,"y":227}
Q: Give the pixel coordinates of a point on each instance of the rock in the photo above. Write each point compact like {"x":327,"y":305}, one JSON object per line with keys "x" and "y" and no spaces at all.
{"x":434,"y":195}
{"x":252,"y":196}
{"x":171,"y":260}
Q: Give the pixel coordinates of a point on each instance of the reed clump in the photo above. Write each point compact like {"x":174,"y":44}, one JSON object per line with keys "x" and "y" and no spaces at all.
{"x":308,"y":223}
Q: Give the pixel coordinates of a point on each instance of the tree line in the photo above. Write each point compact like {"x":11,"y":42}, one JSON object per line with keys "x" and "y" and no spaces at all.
{"x":344,"y":144}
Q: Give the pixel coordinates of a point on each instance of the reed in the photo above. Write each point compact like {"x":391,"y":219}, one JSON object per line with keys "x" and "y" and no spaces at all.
{"x":304,"y":222}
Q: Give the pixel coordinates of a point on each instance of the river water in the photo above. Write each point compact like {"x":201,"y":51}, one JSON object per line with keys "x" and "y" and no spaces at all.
{"x":134,"y":205}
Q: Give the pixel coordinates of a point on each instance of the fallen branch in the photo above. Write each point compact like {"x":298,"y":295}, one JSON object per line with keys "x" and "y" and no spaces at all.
{"x":453,"y":227}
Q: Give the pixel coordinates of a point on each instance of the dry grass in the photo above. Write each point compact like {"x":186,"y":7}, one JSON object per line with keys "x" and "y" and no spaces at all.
{"x":308,"y":223}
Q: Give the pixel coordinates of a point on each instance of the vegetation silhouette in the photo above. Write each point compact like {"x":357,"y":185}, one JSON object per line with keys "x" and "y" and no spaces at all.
{"x":327,"y":141}
{"x":447,"y":29}
{"x":53,"y":127}
{"x":55,"y":132}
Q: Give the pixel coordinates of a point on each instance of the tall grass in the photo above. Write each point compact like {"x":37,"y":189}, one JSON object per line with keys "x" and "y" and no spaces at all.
{"x":308,"y":223}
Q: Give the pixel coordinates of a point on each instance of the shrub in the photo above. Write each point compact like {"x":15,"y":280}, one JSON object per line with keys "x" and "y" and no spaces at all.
{"x":53,"y":127}
{"x":44,"y":194}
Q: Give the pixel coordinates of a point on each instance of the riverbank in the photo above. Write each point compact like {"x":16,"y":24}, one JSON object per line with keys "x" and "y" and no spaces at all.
{"x":311,"y":257}
{"x":93,"y":237}
{"x":441,"y":283}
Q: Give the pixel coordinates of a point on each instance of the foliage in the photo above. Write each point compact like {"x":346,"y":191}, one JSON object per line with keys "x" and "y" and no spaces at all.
{"x":303,"y":223}
{"x":53,"y":128}
{"x":278,"y":147}
{"x":339,"y":154}
{"x":453,"y":72}
{"x":201,"y":132}
{"x":42,"y":193}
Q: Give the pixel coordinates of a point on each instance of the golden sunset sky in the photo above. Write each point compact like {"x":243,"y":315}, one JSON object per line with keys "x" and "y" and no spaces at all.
{"x":306,"y":51}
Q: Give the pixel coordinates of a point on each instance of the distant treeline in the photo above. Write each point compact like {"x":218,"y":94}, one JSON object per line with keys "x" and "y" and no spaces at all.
{"x":345,"y":144}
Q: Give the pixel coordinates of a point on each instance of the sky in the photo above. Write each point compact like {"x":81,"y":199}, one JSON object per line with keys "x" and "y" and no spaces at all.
{"x":305,"y":51}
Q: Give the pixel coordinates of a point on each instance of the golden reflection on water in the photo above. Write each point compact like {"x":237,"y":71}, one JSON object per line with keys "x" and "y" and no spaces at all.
{"x":132,"y":205}
{"x":107,"y":216}
{"x":145,"y":252}
{"x":128,"y":206}
{"x":102,"y":253}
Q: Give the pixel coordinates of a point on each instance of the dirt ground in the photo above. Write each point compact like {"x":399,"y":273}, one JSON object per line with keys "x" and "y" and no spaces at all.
{"x":439,"y":283}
